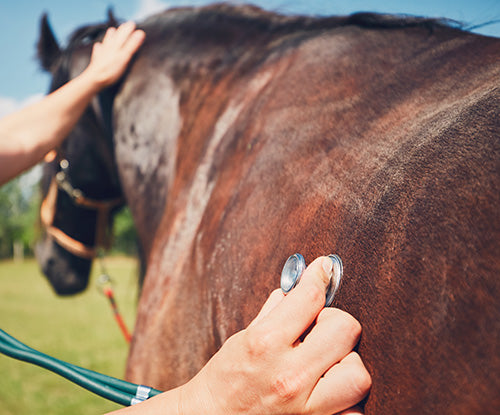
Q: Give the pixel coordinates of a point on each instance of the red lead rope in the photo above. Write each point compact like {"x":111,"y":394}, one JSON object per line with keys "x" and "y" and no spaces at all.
{"x":107,"y":290}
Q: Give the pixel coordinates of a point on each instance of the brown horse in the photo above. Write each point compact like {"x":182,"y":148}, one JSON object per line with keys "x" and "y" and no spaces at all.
{"x":243,"y":136}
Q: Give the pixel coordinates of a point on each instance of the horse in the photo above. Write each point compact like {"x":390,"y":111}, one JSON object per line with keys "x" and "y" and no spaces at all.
{"x":240,"y":136}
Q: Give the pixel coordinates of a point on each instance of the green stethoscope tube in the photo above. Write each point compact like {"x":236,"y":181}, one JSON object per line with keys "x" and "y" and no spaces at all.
{"x":116,"y":390}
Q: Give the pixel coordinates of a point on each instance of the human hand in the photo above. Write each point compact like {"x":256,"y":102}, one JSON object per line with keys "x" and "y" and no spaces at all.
{"x":268,"y":369}
{"x":111,"y":56}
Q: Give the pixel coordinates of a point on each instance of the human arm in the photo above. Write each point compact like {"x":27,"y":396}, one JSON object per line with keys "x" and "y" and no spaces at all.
{"x":266,"y":369}
{"x":27,"y":135}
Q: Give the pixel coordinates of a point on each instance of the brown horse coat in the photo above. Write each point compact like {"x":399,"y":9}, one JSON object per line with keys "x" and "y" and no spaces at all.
{"x":242,"y":137}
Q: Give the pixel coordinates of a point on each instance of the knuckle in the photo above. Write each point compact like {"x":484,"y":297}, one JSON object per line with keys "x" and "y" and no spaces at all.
{"x":258,"y":342}
{"x":316,"y":295}
{"x":323,"y":316}
{"x":286,"y":387}
{"x":348,"y":324}
{"x":326,"y":315}
{"x":360,"y":379}
{"x":354,"y":327}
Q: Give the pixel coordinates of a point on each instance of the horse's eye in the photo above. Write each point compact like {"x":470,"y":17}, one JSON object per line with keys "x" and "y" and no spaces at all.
{"x":87,"y":40}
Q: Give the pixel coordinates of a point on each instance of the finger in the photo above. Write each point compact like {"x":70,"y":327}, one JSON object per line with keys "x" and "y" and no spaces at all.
{"x":332,"y":337}
{"x":96,"y":48}
{"x":343,"y":386}
{"x":134,"y":42}
{"x":272,"y":301}
{"x":123,"y":33}
{"x":302,"y":305}
{"x":110,"y":33}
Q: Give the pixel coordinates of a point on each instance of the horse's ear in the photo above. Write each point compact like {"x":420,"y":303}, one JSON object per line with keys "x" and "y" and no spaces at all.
{"x":48,"y":49}
{"x":111,"y":18}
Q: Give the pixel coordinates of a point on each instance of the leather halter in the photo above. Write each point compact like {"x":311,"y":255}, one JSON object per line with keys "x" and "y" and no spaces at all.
{"x":103,"y":207}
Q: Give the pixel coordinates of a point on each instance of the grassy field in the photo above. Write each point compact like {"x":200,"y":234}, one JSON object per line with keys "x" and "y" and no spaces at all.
{"x":80,"y":330}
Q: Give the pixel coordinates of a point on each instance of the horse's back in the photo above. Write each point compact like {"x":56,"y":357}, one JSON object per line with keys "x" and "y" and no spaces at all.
{"x":380,"y":145}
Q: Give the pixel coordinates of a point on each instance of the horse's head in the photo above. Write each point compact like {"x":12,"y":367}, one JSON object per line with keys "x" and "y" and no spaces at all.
{"x":80,"y":182}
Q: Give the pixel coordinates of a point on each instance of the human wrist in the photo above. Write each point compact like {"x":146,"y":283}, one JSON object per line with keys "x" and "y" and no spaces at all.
{"x":92,"y":82}
{"x":195,"y":398}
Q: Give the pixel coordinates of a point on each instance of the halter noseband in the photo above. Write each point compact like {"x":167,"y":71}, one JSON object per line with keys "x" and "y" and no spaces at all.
{"x":48,"y":208}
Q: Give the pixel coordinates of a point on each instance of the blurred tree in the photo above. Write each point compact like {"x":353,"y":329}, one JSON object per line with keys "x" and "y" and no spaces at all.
{"x":18,"y":213}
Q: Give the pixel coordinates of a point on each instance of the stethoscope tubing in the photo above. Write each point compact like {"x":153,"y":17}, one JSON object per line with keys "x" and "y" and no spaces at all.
{"x":116,"y":390}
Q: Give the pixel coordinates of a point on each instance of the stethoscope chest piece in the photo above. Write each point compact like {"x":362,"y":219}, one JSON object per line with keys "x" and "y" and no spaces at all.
{"x":292,"y":271}
{"x":295,"y":266}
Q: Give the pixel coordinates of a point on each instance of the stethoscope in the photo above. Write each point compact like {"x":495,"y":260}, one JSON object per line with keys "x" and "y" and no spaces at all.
{"x":295,"y":266}
{"x":126,"y":393}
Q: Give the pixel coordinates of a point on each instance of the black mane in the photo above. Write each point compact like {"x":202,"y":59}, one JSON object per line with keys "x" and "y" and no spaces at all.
{"x":250,"y":19}
{"x":232,"y":28}
{"x":220,"y":35}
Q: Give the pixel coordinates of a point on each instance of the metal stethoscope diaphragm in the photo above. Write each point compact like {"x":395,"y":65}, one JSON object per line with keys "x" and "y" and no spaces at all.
{"x":295,"y":266}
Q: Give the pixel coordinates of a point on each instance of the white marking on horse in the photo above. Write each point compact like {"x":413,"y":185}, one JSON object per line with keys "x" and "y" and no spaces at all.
{"x":187,"y":222}
{"x":154,"y":132}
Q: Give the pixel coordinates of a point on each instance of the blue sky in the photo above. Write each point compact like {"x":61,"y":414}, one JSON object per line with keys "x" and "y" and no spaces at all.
{"x":21,"y":80}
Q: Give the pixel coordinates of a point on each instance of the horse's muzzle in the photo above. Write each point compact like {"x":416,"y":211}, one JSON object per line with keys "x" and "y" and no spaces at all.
{"x":67,"y":273}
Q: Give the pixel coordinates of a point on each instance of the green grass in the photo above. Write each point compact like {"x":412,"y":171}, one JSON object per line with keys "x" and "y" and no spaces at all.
{"x":79,"y":329}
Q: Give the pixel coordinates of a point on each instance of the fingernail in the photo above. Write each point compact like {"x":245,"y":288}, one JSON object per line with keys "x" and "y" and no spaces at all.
{"x":327,"y":265}
{"x":336,"y":272}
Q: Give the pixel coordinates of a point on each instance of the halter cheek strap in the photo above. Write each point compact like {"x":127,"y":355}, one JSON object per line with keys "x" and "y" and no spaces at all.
{"x":70,"y":244}
{"x":103,"y":208}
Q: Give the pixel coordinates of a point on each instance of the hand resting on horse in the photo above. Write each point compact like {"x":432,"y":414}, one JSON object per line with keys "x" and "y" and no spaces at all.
{"x":26,"y":136}
{"x":267,"y":369}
